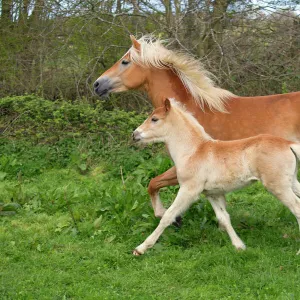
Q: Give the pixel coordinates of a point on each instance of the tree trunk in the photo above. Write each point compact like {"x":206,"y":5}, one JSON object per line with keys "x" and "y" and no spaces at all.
{"x":213,"y":36}
{"x":38,"y":10}
{"x":6,"y":11}
{"x":119,"y":6}
{"x":24,"y":11}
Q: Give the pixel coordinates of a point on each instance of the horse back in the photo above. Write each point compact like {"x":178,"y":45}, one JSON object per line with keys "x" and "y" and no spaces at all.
{"x":277,"y":115}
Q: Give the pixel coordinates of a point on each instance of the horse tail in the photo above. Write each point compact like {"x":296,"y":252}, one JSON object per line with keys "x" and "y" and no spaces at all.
{"x":296,"y":150}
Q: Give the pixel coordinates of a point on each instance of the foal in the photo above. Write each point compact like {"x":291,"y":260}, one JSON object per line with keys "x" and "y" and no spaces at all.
{"x":217,"y":167}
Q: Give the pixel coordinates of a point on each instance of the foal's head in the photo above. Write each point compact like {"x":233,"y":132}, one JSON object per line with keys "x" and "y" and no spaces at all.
{"x":156,"y":127}
{"x":123,"y":75}
{"x":171,"y":118}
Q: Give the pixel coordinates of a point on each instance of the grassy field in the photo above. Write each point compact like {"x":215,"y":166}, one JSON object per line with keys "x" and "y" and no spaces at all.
{"x":74,"y":204}
{"x":73,"y":235}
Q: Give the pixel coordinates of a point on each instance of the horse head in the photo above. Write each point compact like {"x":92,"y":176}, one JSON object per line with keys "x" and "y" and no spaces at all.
{"x":124,"y":75}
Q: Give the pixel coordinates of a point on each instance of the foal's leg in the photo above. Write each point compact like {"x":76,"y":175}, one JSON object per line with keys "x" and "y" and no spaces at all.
{"x":290,"y":200}
{"x":166,"y":179}
{"x":183,"y":200}
{"x":218,"y":203}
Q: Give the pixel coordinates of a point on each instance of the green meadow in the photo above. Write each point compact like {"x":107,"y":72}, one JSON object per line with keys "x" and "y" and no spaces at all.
{"x":74,"y":204}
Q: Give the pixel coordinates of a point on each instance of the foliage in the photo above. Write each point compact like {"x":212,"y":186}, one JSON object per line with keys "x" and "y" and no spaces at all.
{"x":111,"y":192}
{"x":58,"y":50}
{"x":74,"y":203}
{"x":44,"y":120}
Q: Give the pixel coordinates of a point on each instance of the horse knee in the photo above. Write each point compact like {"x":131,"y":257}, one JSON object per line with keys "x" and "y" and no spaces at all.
{"x":152,"y":188}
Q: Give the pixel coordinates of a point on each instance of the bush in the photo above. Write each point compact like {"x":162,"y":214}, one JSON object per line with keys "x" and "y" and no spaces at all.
{"x":43,"y":120}
{"x":40,"y":135}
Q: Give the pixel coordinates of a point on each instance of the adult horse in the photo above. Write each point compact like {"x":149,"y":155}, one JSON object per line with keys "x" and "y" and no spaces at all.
{"x":164,"y":73}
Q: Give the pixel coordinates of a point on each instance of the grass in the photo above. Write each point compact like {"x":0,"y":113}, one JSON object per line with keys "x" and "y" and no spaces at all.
{"x":73,"y":236}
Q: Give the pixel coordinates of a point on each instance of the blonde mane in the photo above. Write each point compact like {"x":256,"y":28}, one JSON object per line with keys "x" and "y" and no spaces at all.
{"x":181,"y":109}
{"x":192,"y":74}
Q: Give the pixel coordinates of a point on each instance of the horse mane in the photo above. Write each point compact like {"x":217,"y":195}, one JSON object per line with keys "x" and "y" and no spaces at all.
{"x":181,"y":108}
{"x":191,"y":72}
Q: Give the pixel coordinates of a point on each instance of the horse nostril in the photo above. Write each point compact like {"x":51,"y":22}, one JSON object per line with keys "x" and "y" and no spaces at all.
{"x":136,"y":136}
{"x":103,"y":86}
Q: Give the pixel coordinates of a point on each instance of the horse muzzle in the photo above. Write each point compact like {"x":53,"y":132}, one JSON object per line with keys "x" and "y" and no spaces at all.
{"x":136,"y":136}
{"x":103,"y":86}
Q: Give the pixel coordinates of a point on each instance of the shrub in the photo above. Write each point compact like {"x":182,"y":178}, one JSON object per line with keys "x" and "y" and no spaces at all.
{"x":43,"y":120}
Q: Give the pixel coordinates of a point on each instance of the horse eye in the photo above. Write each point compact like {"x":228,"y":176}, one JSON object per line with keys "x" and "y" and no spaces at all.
{"x":125,"y":62}
{"x":154,"y":119}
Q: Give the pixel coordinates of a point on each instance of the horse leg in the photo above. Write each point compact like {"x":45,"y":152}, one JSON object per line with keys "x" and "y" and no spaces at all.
{"x":218,"y":203}
{"x":290,"y":199}
{"x":168,"y":178}
{"x":185,"y":197}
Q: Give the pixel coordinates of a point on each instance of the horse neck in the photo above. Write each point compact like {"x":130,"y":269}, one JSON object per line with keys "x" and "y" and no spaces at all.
{"x":164,"y":83}
{"x":185,"y":135}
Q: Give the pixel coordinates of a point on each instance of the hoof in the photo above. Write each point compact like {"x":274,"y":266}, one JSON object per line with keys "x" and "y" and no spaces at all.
{"x":222,"y":228}
{"x":240,"y":247}
{"x":136,"y":253}
{"x":178,"y":222}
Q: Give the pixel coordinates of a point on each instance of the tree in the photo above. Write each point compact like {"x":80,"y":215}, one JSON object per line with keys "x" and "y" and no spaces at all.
{"x":57,"y":49}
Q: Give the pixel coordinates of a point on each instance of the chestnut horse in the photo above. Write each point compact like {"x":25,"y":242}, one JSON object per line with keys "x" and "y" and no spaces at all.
{"x":218,"y":167}
{"x":164,"y":73}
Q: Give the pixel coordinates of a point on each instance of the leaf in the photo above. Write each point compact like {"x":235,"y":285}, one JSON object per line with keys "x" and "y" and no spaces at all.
{"x":11,"y":207}
{"x":2,"y":175}
{"x":107,"y":208}
{"x":135,"y":205}
{"x":62,"y":225}
{"x":82,"y":167}
{"x":74,"y":231}
{"x":76,"y":215}
{"x":98,"y":222}
{"x":13,"y":163}
{"x":110,"y":239}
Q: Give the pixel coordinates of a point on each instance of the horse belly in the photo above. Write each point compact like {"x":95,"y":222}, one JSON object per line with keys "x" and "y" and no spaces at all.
{"x":228,"y":180}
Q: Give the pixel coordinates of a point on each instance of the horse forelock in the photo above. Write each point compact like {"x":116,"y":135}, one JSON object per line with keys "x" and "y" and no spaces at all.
{"x":190,"y":71}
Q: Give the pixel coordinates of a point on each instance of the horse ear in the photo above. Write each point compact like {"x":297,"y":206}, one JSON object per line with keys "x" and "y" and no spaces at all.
{"x":135,"y":43}
{"x":167,"y":105}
